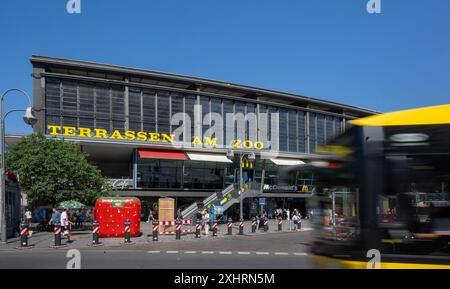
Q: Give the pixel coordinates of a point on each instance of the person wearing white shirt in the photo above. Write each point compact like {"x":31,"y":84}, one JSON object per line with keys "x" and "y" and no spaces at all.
{"x":64,"y":222}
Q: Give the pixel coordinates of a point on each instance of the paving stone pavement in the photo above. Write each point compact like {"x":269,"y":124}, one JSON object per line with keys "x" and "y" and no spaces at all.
{"x":83,"y":239}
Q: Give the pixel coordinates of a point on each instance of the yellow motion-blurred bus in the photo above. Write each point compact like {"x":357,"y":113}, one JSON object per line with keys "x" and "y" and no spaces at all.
{"x":384,"y":185}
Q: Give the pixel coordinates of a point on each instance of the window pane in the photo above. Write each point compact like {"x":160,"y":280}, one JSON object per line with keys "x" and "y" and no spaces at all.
{"x":52,"y":96}
{"x":177,"y":106}
{"x":134,"y":109}
{"x":283,"y":130}
{"x":251,"y":124}
{"x":204,"y":101}
{"x":148,"y":103}
{"x":69,"y":94}
{"x":320,"y":129}
{"x":229,"y":129}
{"x":163,"y":111}
{"x":190,"y":101}
{"x":301,"y":131}
{"x":118,"y":107}
{"x":292,"y":126}
{"x":329,"y":126}
{"x":102,"y":106}
{"x":312,"y":132}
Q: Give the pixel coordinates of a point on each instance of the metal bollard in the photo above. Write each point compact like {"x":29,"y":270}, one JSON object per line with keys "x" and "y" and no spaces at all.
{"x":57,"y":232}
{"x":95,"y":229}
{"x":155,"y":229}
{"x":127,"y":232}
{"x":230,"y":226}
{"x":198,"y":228}
{"x":215,"y":225}
{"x":241,"y":227}
{"x":178,"y":229}
{"x":266,"y":225}
{"x":253,"y":225}
{"x":23,"y":235}
{"x":280,"y":224}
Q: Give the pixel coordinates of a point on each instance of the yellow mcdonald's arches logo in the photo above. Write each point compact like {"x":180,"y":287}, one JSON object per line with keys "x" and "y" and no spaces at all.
{"x":247,"y":164}
{"x":305,"y":188}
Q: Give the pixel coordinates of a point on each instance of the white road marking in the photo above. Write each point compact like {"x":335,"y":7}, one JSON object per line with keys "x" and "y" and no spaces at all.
{"x":281,"y":253}
{"x":190,"y":252}
{"x":262,"y":253}
{"x":172,"y":252}
{"x":154,"y":252}
{"x":300,"y":254}
{"x":243,"y":253}
{"x":225,"y":253}
{"x":207,"y":252}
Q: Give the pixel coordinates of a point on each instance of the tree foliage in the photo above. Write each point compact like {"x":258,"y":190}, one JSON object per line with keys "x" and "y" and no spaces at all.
{"x":51,"y":171}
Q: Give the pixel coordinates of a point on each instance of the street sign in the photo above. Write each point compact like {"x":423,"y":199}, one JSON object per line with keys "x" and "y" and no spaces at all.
{"x":262,"y":201}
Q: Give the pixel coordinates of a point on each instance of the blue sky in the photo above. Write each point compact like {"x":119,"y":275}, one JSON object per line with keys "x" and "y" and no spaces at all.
{"x":327,"y":49}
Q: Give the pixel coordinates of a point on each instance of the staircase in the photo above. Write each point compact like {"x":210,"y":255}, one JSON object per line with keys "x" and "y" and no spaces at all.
{"x":213,"y":199}
{"x":226,"y":198}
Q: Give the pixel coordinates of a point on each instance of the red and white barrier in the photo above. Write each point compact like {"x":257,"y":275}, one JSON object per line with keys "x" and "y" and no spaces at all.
{"x":173,"y":222}
{"x":173,"y":232}
{"x":24,"y":231}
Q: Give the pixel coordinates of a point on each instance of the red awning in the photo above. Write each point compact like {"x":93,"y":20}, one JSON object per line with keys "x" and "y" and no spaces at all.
{"x":157,"y":154}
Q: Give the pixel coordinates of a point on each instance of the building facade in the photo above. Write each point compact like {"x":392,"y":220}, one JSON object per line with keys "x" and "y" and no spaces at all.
{"x":157,"y":134}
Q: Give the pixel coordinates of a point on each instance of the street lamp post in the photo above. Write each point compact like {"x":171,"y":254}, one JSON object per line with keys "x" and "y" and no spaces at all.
{"x":29,"y":119}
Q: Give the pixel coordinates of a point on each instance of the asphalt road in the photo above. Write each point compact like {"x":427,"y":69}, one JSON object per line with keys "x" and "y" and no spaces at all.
{"x":271,"y":251}
{"x":135,"y":259}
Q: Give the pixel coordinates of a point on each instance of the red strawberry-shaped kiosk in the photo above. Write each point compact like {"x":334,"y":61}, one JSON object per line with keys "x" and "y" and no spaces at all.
{"x":111,"y":213}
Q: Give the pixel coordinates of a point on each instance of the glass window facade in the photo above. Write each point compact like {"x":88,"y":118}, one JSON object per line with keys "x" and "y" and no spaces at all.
{"x":121,"y":107}
{"x":159,"y":174}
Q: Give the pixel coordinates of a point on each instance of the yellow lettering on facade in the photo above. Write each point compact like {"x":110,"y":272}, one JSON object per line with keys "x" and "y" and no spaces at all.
{"x":141,"y":136}
{"x":53,"y":129}
{"x":197,"y":141}
{"x":167,"y":138}
{"x":210,"y":141}
{"x":100,"y":133}
{"x":248,"y":144}
{"x":154,"y":136}
{"x":130,"y":135}
{"x":69,"y":131}
{"x":84,"y":132}
{"x":259,"y":145}
{"x":116,"y":135}
{"x":237,"y":143}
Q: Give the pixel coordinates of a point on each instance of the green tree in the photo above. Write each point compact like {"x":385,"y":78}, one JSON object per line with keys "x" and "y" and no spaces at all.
{"x":51,"y":171}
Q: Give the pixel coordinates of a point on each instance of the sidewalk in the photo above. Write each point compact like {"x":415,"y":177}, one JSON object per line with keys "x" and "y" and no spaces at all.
{"x":83,"y":239}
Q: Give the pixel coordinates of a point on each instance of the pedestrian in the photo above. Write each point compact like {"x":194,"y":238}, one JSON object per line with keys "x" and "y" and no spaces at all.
{"x":205,"y":220}
{"x":80,"y":218}
{"x":198,"y":215}
{"x":258,"y":220}
{"x":64,"y":222}
{"x":150,"y":216}
{"x":55,"y":218}
{"x":28,"y":216}
{"x":288,"y":218}
{"x":179,"y":213}
{"x":297,"y":218}
{"x":211,"y":217}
